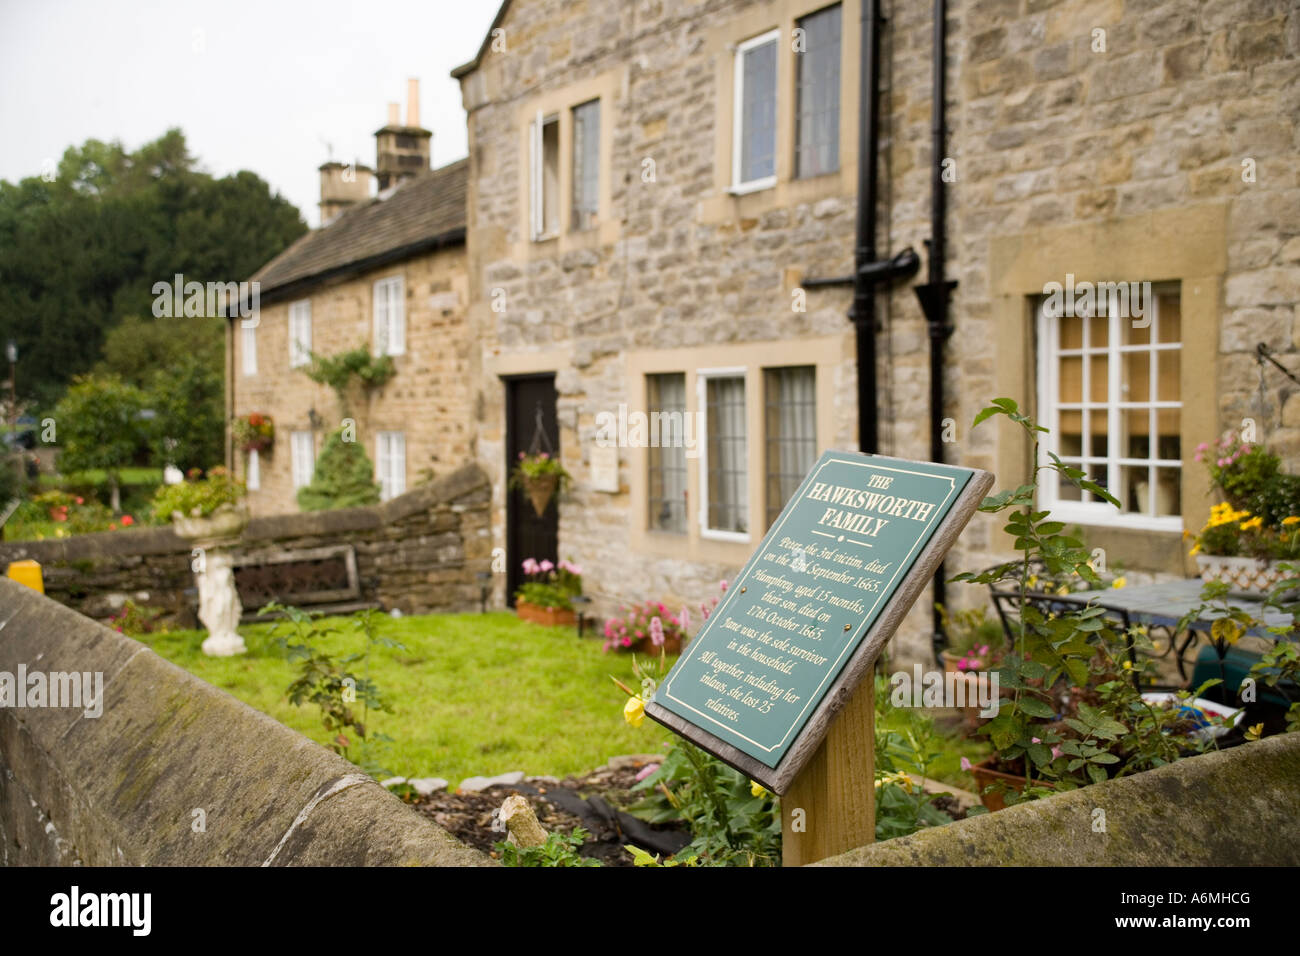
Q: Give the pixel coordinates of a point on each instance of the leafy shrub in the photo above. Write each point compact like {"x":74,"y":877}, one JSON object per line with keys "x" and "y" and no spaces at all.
{"x":558,"y":850}
{"x":344,"y":477}
{"x":198,"y":498}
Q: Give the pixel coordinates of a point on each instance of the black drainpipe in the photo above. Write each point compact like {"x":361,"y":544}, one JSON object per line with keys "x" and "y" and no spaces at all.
{"x":867,"y":269}
{"x":935,"y":294}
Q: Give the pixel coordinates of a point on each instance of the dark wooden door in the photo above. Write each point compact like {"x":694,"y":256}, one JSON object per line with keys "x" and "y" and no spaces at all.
{"x":530,"y":406}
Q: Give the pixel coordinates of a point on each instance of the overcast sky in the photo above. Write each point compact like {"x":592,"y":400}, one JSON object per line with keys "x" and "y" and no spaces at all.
{"x":262,"y":85}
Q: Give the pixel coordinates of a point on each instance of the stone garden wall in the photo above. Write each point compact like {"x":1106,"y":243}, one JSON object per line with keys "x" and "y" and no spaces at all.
{"x":418,"y":552}
{"x":173,"y":771}
{"x":1236,"y":807}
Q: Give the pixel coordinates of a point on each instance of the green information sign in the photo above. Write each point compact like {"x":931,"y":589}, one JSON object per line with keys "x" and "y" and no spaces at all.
{"x":842,"y":563}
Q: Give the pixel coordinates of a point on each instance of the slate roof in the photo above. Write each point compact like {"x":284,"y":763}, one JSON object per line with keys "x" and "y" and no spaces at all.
{"x":421,"y":214}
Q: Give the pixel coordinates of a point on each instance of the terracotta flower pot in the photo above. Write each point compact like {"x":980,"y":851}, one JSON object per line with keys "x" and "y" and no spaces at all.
{"x":984,"y":775}
{"x":546,"y":616}
{"x":540,"y":490}
{"x":671,"y":645}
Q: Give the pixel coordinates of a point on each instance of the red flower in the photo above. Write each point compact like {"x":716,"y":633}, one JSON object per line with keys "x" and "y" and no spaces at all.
{"x":127,"y":521}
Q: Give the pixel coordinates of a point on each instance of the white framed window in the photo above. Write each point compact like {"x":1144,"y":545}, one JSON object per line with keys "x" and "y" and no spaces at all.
{"x":302,"y":446}
{"x":753,"y":141}
{"x":544,"y":176}
{"x":724,"y":455}
{"x":817,"y":95}
{"x":390,"y":462}
{"x":300,"y":333}
{"x":1108,"y":390}
{"x":789,"y":432}
{"x":586,"y":164}
{"x":390,"y":316}
{"x":248,"y":348}
{"x":253,"y":473}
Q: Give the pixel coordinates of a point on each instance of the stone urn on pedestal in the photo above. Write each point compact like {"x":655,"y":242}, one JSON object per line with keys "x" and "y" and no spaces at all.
{"x":215,"y":536}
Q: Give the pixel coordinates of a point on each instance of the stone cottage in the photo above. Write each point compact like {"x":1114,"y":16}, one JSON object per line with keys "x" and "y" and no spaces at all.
{"x":387,"y":273}
{"x":654,"y":189}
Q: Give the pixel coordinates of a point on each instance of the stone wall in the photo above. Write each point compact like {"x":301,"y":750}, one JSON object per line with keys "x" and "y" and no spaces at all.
{"x":174,"y":772}
{"x":1100,"y":137}
{"x":1236,"y":807}
{"x":418,"y":552}
{"x":428,"y":399}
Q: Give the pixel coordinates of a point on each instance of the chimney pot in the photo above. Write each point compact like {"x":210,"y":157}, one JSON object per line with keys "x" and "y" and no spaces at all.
{"x":413,"y":102}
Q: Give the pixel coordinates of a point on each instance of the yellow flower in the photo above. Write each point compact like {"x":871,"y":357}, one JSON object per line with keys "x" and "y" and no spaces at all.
{"x":634,"y":710}
{"x":757,"y":789}
{"x":1252,"y":523}
{"x":1226,"y":629}
{"x":1252,"y":733}
{"x":1196,"y":549}
{"x":1291,"y":520}
{"x":1063,"y":589}
{"x":1119,"y":582}
{"x":1127,"y":665}
{"x":1031,"y":580}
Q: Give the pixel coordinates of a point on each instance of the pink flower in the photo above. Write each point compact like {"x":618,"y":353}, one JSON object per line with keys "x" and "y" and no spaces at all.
{"x":965,"y":763}
{"x":545,"y":566}
{"x":1034,"y":740}
{"x":626,"y":642}
{"x":1202,"y":446}
{"x":530,"y":566}
{"x":646,"y":771}
{"x":982,"y":649}
{"x":521,"y":456}
{"x":656,"y":631}
{"x":543,"y":456}
{"x":1056,"y":752}
{"x":722,"y":585}
{"x":686,"y":618}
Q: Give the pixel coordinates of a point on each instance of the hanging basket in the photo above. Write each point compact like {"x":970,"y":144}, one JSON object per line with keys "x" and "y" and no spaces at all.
{"x":540,"y":490}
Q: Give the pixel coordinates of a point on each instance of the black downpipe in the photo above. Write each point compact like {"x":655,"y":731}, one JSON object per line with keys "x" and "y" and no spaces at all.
{"x":863,"y":311}
{"x":934,"y":295}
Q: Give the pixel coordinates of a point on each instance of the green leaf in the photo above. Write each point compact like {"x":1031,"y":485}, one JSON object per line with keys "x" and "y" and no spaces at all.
{"x":1096,"y":774}
{"x":1036,"y":708}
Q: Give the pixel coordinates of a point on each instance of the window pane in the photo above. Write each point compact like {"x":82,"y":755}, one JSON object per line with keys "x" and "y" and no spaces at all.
{"x":551,"y":177}
{"x":758,"y":113}
{"x":817,"y":95}
{"x":728,"y":479}
{"x":667,"y":499}
{"x":586,"y":164}
{"x":791,"y":432}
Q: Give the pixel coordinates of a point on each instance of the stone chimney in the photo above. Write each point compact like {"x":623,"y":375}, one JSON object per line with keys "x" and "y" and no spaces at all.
{"x":403,"y":151}
{"x":341,"y":186}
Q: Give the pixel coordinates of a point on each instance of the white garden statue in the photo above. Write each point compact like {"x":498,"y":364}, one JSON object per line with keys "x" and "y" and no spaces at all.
{"x":219,"y":607}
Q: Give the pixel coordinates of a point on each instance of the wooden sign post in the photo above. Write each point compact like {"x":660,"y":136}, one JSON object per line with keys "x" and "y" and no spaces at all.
{"x":799,"y":630}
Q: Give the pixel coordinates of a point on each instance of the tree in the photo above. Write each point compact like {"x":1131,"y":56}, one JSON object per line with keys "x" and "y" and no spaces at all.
{"x":98,"y":424}
{"x":82,"y":252}
{"x":344,"y":477}
{"x":179,"y":363}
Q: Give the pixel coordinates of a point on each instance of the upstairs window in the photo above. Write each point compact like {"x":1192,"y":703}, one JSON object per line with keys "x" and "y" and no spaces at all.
{"x":390,"y":317}
{"x":248,"y":348}
{"x":817,"y":95}
{"x":586,"y":165}
{"x":544,"y":177}
{"x":754,"y":133}
{"x":300,"y":333}
{"x":1109,"y":390}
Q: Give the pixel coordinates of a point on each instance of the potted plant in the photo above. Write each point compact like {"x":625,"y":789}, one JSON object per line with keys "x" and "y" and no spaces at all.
{"x":253,"y":432}
{"x":540,"y":476}
{"x":974,"y":641}
{"x":1256,"y":527}
{"x":209,"y":512}
{"x":547,"y":598}
{"x":648,"y":626}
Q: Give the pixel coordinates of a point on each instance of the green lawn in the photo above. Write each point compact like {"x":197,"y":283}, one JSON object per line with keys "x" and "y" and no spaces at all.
{"x":471,"y":693}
